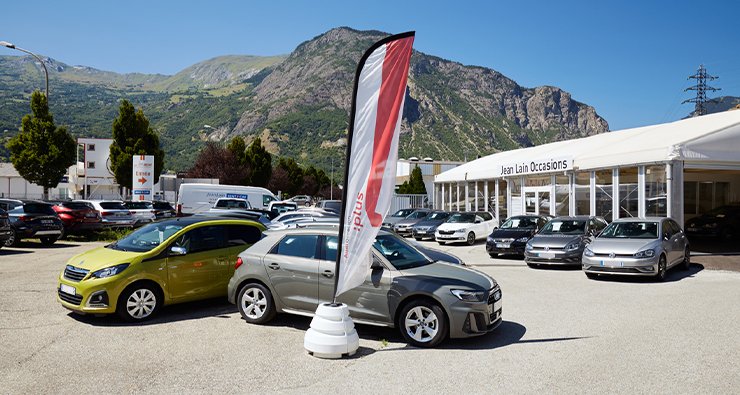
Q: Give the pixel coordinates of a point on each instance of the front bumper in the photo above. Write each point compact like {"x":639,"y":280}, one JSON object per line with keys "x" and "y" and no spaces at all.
{"x":474,"y":319}
{"x":85,"y":290}
{"x":403,"y":231}
{"x":453,"y":238}
{"x":422,"y":234}
{"x":553,"y":257}
{"x":505,"y":248}
{"x":621,"y":265}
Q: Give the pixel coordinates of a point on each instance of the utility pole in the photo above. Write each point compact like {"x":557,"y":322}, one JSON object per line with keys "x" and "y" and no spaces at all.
{"x":701,"y":89}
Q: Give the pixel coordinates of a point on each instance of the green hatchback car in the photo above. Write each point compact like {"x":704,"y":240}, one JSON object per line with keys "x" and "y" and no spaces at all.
{"x":167,"y":262}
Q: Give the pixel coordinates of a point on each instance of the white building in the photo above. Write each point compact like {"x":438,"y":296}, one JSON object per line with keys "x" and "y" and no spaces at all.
{"x":679,"y":169}
{"x":93,"y":178}
{"x":429,"y":169}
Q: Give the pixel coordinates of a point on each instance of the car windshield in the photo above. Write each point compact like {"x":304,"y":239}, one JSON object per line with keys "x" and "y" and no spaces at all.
{"x":232,"y":203}
{"x":38,"y":208}
{"x":147,"y":237}
{"x":564,"y":227}
{"x":113,"y":206}
{"x":417,"y":215}
{"x":139,"y":205}
{"x":437,"y":216}
{"x":399,"y":253}
{"x":462,"y":218}
{"x":162,"y":206}
{"x":519,"y":223}
{"x":76,"y":205}
{"x":402,"y":213}
{"x":336,"y":206}
{"x":631,"y":230}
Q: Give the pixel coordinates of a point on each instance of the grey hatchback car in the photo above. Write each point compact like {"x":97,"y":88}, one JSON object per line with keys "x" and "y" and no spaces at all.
{"x":639,"y":247}
{"x":292,"y":271}
{"x":562,"y":240}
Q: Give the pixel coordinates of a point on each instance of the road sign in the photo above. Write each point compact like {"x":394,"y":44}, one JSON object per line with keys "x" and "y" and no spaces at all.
{"x":143,"y":177}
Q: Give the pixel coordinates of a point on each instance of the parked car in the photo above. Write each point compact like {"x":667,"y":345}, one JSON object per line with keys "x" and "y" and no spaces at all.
{"x":163,"y":209}
{"x":302,"y":214}
{"x":426,"y":300}
{"x":403,"y":227}
{"x":9,"y":204}
{"x":638,"y":247}
{"x":253,"y":215}
{"x":466,"y":227}
{"x":722,"y":223}
{"x":5,"y":230}
{"x":78,"y":217}
{"x":429,"y":224}
{"x":167,"y":262}
{"x":301,"y":200}
{"x":334,"y":206}
{"x":229,"y":203}
{"x":197,"y":198}
{"x":282,"y":207}
{"x":562,"y":240}
{"x":392,"y":219}
{"x":513,"y":235}
{"x":142,"y":210}
{"x":113,"y":213}
{"x":34,"y":219}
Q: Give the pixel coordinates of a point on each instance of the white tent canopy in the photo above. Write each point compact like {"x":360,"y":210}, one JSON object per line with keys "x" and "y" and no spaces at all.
{"x":707,"y":140}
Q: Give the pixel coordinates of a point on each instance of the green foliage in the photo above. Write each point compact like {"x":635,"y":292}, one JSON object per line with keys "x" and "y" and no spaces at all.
{"x":415,"y":184}
{"x":132,"y":135}
{"x":42,"y":152}
{"x":238,"y":148}
{"x":294,"y":175}
{"x":259,"y":162}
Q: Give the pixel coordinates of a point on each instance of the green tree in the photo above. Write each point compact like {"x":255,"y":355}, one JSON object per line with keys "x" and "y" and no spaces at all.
{"x":294,"y":174}
{"x":132,"y":135}
{"x":238,"y":148}
{"x":259,"y":162}
{"x":42,"y":152}
{"x":415,"y":184}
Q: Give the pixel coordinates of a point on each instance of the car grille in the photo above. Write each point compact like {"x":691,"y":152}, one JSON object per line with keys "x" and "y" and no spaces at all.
{"x":509,"y":241}
{"x":74,"y":273}
{"x":615,"y":255}
{"x":72,"y":299}
{"x":613,"y":269}
{"x":447,"y":232}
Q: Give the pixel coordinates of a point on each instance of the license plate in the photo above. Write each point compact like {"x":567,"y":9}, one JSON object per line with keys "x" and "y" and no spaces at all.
{"x":90,"y":215}
{"x":421,"y":232}
{"x":67,"y":289}
{"x":692,"y":229}
{"x":47,"y":222}
{"x":546,"y":255}
{"x":502,"y":245}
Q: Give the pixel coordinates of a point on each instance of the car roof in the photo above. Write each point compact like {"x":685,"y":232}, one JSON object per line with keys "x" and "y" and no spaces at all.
{"x":575,"y":217}
{"x":640,"y":219}
{"x":186,"y":221}
{"x":333,"y":230}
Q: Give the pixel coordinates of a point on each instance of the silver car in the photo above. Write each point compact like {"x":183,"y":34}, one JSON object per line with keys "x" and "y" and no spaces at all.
{"x":637,"y":246}
{"x":292,"y":271}
{"x":562,"y":240}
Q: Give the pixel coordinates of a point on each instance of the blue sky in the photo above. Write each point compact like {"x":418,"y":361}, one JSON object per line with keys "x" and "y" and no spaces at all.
{"x":628,"y":59}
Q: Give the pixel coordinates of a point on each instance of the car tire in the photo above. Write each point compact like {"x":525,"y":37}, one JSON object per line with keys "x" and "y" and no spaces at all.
{"x":686,"y":259}
{"x":592,"y":276}
{"x":662,"y":269}
{"x":139,"y":302}
{"x":532,"y":265}
{"x":417,"y":238}
{"x":471,"y":238}
{"x":47,"y":241}
{"x":13,"y":240}
{"x":441,"y":243}
{"x":255,"y":303}
{"x":423,"y":323}
{"x":493,"y":255}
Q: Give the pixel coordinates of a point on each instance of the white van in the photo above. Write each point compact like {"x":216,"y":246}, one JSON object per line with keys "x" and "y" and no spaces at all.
{"x":198,"y":198}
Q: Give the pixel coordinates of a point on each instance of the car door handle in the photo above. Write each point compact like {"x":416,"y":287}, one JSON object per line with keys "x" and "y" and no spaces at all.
{"x":328,"y":274}
{"x":274,"y":266}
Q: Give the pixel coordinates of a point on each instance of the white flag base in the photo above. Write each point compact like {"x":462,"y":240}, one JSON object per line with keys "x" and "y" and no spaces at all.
{"x":332,"y":333}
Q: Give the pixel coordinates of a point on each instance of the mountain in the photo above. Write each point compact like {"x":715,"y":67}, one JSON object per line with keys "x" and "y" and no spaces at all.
{"x":299,"y":105}
{"x":722,"y":103}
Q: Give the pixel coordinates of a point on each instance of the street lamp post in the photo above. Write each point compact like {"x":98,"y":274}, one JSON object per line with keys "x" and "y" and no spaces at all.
{"x":331,"y":183}
{"x":46,"y":72}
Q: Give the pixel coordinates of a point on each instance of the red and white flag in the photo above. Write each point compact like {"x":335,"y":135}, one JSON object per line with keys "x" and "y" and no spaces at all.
{"x":380,"y":89}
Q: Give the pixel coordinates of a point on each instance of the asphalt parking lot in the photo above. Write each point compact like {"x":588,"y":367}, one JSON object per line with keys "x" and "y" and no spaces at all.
{"x":561,"y":333}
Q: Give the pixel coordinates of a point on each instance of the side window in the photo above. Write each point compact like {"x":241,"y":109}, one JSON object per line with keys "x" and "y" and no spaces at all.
{"x":488,"y":216}
{"x":478,"y":219}
{"x":237,"y":235}
{"x":674,"y":226}
{"x":301,"y":246}
{"x":207,"y":238}
{"x":667,"y":228}
{"x":600,"y":224}
{"x":330,"y":248}
{"x":266,"y":199}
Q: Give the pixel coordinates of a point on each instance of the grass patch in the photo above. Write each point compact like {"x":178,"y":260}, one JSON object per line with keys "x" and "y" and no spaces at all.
{"x":102,"y":235}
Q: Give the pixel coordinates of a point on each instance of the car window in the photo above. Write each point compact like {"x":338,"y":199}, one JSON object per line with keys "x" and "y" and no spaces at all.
{"x":330,"y":248}
{"x":565,"y":227}
{"x":237,"y":235}
{"x":463,"y":218}
{"x":207,"y":238}
{"x":486,"y":216}
{"x":147,"y":237}
{"x":399,"y":253}
{"x":138,"y":205}
{"x":38,"y":208}
{"x":438,"y":216}
{"x":113,"y":206}
{"x":76,"y":205}
{"x":266,"y":199}
{"x":301,"y":246}
{"x":417,"y":214}
{"x":519,"y":223}
{"x":601,"y":224}
{"x":631,"y":230}
{"x":675,"y":225}
{"x":162,"y":206}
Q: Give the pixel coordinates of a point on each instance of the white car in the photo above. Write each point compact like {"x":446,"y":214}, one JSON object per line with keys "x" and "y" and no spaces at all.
{"x":113,"y":212}
{"x":143,"y":211}
{"x":466,"y":227}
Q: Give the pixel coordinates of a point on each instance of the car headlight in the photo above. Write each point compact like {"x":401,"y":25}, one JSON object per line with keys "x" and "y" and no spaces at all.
{"x":522,"y":239}
{"x":588,"y":252}
{"x":645,"y":254}
{"x":528,"y":246}
{"x":110,"y":271}
{"x":461,"y":230}
{"x":573,"y":246}
{"x":469,"y":296}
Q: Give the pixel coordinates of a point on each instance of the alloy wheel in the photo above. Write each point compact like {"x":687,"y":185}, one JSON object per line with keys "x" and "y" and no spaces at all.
{"x":661,"y":269}
{"x":421,"y":324}
{"x":141,"y":303}
{"x":471,"y":238}
{"x":254,"y":303}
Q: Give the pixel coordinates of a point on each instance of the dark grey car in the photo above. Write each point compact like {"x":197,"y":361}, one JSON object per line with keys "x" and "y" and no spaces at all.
{"x":403,"y":227}
{"x":292,"y":271}
{"x":562,"y":240}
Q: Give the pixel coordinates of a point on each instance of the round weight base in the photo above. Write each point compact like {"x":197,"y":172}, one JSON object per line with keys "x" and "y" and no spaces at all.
{"x":332,"y":333}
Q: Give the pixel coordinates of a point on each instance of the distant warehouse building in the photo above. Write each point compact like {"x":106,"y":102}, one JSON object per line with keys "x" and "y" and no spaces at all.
{"x":680,"y":169}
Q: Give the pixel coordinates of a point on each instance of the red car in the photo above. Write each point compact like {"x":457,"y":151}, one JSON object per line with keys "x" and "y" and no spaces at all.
{"x":78,"y":217}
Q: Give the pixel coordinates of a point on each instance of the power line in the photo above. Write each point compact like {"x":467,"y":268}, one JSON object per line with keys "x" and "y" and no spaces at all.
{"x":701,"y":89}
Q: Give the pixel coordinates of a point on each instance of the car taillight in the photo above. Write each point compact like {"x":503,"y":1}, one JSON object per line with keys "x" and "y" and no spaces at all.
{"x":106,"y":213}
{"x":24,"y":218}
{"x":239,"y":262}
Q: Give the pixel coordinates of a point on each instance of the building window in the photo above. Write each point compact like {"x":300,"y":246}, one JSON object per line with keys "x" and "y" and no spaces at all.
{"x":628,"y":196}
{"x":583,"y":193}
{"x":562,"y":195}
{"x":656,"y":203}
{"x":90,"y":165}
{"x":604,"y":194}
{"x":91,"y":147}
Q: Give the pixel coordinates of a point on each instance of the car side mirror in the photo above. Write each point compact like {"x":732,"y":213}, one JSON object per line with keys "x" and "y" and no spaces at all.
{"x":477,"y":221}
{"x":178,"y":250}
{"x":376,"y":265}
{"x":666,"y":236}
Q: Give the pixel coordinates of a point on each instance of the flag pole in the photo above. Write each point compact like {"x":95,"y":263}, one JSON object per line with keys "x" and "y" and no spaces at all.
{"x":350,"y":133}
